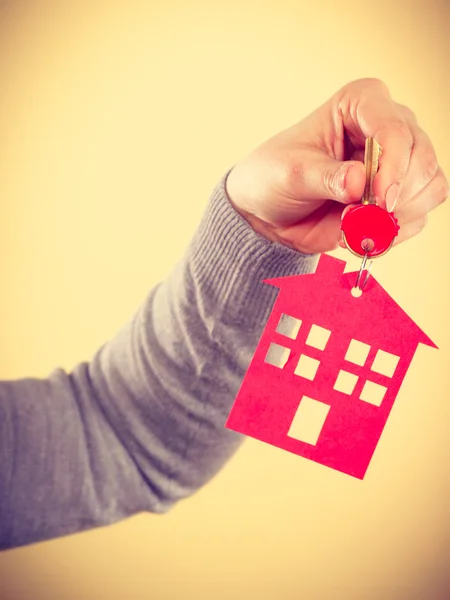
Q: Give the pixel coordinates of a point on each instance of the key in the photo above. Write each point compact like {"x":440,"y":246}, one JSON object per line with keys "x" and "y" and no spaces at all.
{"x":371,"y":161}
{"x":368,"y":230}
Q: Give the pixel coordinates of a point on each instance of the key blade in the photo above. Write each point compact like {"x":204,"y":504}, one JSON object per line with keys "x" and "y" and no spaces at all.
{"x":371,"y":160}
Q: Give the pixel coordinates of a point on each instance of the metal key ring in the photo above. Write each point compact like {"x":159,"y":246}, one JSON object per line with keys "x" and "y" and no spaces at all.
{"x":361,"y":270}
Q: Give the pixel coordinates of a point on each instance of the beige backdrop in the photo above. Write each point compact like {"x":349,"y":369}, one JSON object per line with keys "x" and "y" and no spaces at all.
{"x":117,"y":119}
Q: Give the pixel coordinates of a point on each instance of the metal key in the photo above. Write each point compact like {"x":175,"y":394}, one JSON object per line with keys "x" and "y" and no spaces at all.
{"x":368,"y":230}
{"x":371,"y":161}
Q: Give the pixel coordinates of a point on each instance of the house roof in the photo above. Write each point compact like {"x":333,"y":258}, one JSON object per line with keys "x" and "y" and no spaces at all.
{"x":325,"y":296}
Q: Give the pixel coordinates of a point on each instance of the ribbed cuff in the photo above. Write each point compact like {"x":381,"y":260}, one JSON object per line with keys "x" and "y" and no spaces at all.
{"x":229,"y":261}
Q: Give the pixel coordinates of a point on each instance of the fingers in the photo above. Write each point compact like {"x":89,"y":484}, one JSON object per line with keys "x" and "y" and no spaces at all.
{"x":411,"y":229}
{"x":423,"y":169}
{"x":413,"y":215}
{"x":397,"y":142}
{"x":318,"y":178}
{"x":409,"y":178}
{"x":427,"y":199}
{"x":425,"y":186}
{"x":367,"y":105}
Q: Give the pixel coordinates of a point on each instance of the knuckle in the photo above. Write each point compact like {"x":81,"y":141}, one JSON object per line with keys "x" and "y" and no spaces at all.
{"x":420,"y":225}
{"x":366,"y":87}
{"x":440,"y":187}
{"x":400,"y":128}
{"x":409,"y":114}
{"x":373,"y":83}
{"x":423,"y":223}
{"x":444,"y":193}
{"x":429,"y":165}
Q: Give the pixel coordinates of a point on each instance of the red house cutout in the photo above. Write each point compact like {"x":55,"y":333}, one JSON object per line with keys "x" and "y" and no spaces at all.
{"x":329,"y":359}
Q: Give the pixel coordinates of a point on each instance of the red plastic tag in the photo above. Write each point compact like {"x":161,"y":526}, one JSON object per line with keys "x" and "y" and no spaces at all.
{"x":369,"y":229}
{"x":327,"y":369}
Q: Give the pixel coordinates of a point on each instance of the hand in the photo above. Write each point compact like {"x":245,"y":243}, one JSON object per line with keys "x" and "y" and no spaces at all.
{"x":294,"y":188}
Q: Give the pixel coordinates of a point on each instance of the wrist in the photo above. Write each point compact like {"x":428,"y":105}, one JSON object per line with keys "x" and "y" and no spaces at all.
{"x":230,"y":260}
{"x":237,"y":202}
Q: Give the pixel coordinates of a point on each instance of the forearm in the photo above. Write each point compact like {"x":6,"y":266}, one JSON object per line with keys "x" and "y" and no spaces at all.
{"x":142,"y":424}
{"x":182,"y":359}
{"x":60,"y":462}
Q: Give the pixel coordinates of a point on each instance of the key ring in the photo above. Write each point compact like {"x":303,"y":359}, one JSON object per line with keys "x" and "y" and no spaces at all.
{"x":361,"y":270}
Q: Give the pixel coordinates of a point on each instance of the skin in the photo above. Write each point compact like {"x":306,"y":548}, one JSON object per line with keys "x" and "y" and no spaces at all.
{"x":294,"y":188}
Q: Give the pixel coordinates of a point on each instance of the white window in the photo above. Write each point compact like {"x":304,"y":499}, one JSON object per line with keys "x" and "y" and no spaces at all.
{"x":307,"y":367}
{"x":373,"y":393}
{"x":385,"y":363}
{"x":345,"y":382}
{"x":309,"y":420}
{"x":357,"y":353}
{"x":288,"y":326}
{"x":318,"y":337}
{"x":277,"y":355}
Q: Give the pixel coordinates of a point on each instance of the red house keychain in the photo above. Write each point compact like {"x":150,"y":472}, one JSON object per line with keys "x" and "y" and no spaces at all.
{"x":326,"y":372}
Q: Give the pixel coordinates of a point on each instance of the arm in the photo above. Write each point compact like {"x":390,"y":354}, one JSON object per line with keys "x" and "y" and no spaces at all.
{"x":141,"y":426}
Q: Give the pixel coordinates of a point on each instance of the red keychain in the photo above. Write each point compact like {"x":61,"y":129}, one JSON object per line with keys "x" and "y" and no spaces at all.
{"x":367,"y":229}
{"x":329,"y":365}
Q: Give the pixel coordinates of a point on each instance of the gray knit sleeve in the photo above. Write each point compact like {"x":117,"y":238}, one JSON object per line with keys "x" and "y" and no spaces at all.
{"x":141,"y":425}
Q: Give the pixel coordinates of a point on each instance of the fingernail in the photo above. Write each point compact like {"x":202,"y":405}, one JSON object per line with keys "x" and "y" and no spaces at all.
{"x":391,"y":196}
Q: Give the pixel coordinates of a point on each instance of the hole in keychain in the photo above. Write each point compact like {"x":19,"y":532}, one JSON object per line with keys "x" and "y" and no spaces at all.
{"x":367,"y":245}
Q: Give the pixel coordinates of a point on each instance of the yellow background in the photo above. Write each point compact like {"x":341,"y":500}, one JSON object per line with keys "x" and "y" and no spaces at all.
{"x":116,"y":121}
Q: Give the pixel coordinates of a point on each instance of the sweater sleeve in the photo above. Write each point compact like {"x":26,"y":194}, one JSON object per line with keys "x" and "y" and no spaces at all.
{"x":141,"y":425}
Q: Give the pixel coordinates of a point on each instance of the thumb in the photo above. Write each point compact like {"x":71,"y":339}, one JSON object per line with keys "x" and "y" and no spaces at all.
{"x":323,"y":178}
